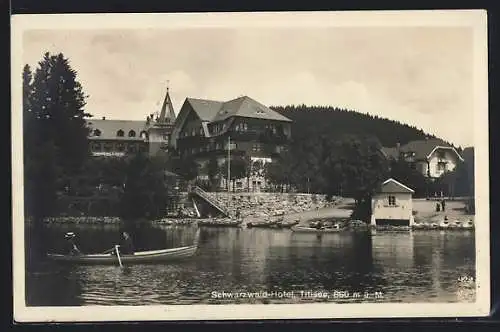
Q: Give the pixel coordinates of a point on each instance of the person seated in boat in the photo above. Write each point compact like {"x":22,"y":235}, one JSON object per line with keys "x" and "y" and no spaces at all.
{"x":126,"y":245}
{"x":72,"y":247}
{"x":319,"y":225}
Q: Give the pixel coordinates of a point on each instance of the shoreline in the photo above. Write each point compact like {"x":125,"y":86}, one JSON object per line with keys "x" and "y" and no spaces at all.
{"x":207,"y":223}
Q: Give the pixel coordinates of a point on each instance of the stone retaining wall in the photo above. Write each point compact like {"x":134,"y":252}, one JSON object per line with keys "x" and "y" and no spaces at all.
{"x":271,"y":204}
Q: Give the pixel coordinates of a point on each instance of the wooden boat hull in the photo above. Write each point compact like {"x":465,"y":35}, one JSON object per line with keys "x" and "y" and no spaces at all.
{"x":315,"y":230}
{"x":220,"y":223}
{"x":145,"y":257}
{"x":271,"y":226}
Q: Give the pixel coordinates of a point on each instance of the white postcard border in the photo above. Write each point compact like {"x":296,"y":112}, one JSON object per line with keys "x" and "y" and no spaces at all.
{"x":475,"y":19}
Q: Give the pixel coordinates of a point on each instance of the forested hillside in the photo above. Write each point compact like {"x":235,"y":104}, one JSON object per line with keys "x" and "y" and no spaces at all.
{"x":310,"y":121}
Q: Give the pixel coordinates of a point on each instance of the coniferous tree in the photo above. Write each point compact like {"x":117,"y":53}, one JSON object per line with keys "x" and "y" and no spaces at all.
{"x":55,"y":132}
{"x":58,"y":102}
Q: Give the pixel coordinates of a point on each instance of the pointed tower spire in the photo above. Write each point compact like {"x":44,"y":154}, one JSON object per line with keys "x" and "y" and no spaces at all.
{"x":167,"y":114}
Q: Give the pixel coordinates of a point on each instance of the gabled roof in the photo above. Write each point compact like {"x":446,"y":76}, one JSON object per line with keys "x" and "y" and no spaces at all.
{"x":213,"y":111}
{"x":393,"y":186}
{"x":249,"y":108}
{"x":423,"y":149}
{"x":205,"y":109}
{"x":109,"y":128}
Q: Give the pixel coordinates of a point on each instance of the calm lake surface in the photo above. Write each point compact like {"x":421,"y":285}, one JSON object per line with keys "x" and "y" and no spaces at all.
{"x":279,"y":265}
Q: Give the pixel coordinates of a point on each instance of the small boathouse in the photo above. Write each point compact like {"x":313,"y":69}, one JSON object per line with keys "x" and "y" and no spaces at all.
{"x":392,"y":205}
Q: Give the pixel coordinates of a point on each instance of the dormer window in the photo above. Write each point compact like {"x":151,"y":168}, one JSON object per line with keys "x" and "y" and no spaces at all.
{"x":260,"y":111}
{"x":120,"y":133}
{"x":144,"y":135}
{"x":131,"y":133}
{"x":97,"y":132}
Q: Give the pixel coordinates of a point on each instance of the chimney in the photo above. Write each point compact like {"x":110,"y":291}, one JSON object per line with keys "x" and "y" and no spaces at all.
{"x":104,"y":118}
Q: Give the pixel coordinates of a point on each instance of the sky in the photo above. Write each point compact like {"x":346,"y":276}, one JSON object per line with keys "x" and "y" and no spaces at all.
{"x":422,"y":76}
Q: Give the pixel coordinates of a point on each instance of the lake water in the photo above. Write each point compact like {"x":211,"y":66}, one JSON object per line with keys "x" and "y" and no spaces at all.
{"x":276,"y":266}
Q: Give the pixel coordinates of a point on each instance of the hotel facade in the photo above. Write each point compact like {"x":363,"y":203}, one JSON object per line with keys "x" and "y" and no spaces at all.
{"x":206,"y":129}
{"x":201,"y":131}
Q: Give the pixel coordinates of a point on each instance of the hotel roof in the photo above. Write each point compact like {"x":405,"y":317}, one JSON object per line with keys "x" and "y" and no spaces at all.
{"x":213,"y":111}
{"x":108,"y":129}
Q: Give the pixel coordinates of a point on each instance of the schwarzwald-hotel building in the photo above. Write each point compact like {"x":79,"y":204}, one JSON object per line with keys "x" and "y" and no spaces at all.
{"x":200,"y":130}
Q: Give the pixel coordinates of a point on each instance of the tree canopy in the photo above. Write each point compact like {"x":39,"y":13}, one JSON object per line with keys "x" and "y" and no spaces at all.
{"x":336,"y":122}
{"x":144,"y":192}
{"x":54,"y":131}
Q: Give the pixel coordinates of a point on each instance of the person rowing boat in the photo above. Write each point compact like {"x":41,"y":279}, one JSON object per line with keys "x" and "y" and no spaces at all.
{"x":126,"y":245}
{"x":72,"y":247}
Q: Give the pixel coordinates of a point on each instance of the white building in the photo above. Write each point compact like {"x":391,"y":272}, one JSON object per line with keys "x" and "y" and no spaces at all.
{"x":432,"y":157}
{"x":392,"y":205}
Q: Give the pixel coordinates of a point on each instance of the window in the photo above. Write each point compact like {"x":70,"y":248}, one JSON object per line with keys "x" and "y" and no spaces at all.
{"x":392,"y":200}
{"x":96,"y":147}
{"x":144,"y":134}
{"x":108,"y":147}
{"x":132,"y":148}
{"x":120,"y":147}
{"x":256,"y":147}
{"x":97,"y":132}
{"x":119,"y":133}
{"x":441,"y":154}
{"x":131,"y":133}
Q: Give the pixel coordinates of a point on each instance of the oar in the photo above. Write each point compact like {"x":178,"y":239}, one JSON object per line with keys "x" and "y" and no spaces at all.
{"x":118,"y":255}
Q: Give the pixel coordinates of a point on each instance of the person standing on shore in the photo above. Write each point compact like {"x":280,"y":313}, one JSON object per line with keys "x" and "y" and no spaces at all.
{"x":443,"y":205}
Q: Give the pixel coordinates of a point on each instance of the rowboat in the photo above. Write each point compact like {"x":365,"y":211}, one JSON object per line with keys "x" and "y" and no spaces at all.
{"x":304,"y":229}
{"x":220,"y":223}
{"x":273,"y":225}
{"x":444,"y":224}
{"x":140,"y":257}
{"x":468,"y":224}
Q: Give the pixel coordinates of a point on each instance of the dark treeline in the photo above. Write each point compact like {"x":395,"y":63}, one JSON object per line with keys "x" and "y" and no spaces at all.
{"x":316,"y":120}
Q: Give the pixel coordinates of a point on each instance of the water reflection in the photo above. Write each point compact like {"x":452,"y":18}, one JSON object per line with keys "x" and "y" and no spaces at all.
{"x":405,"y":267}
